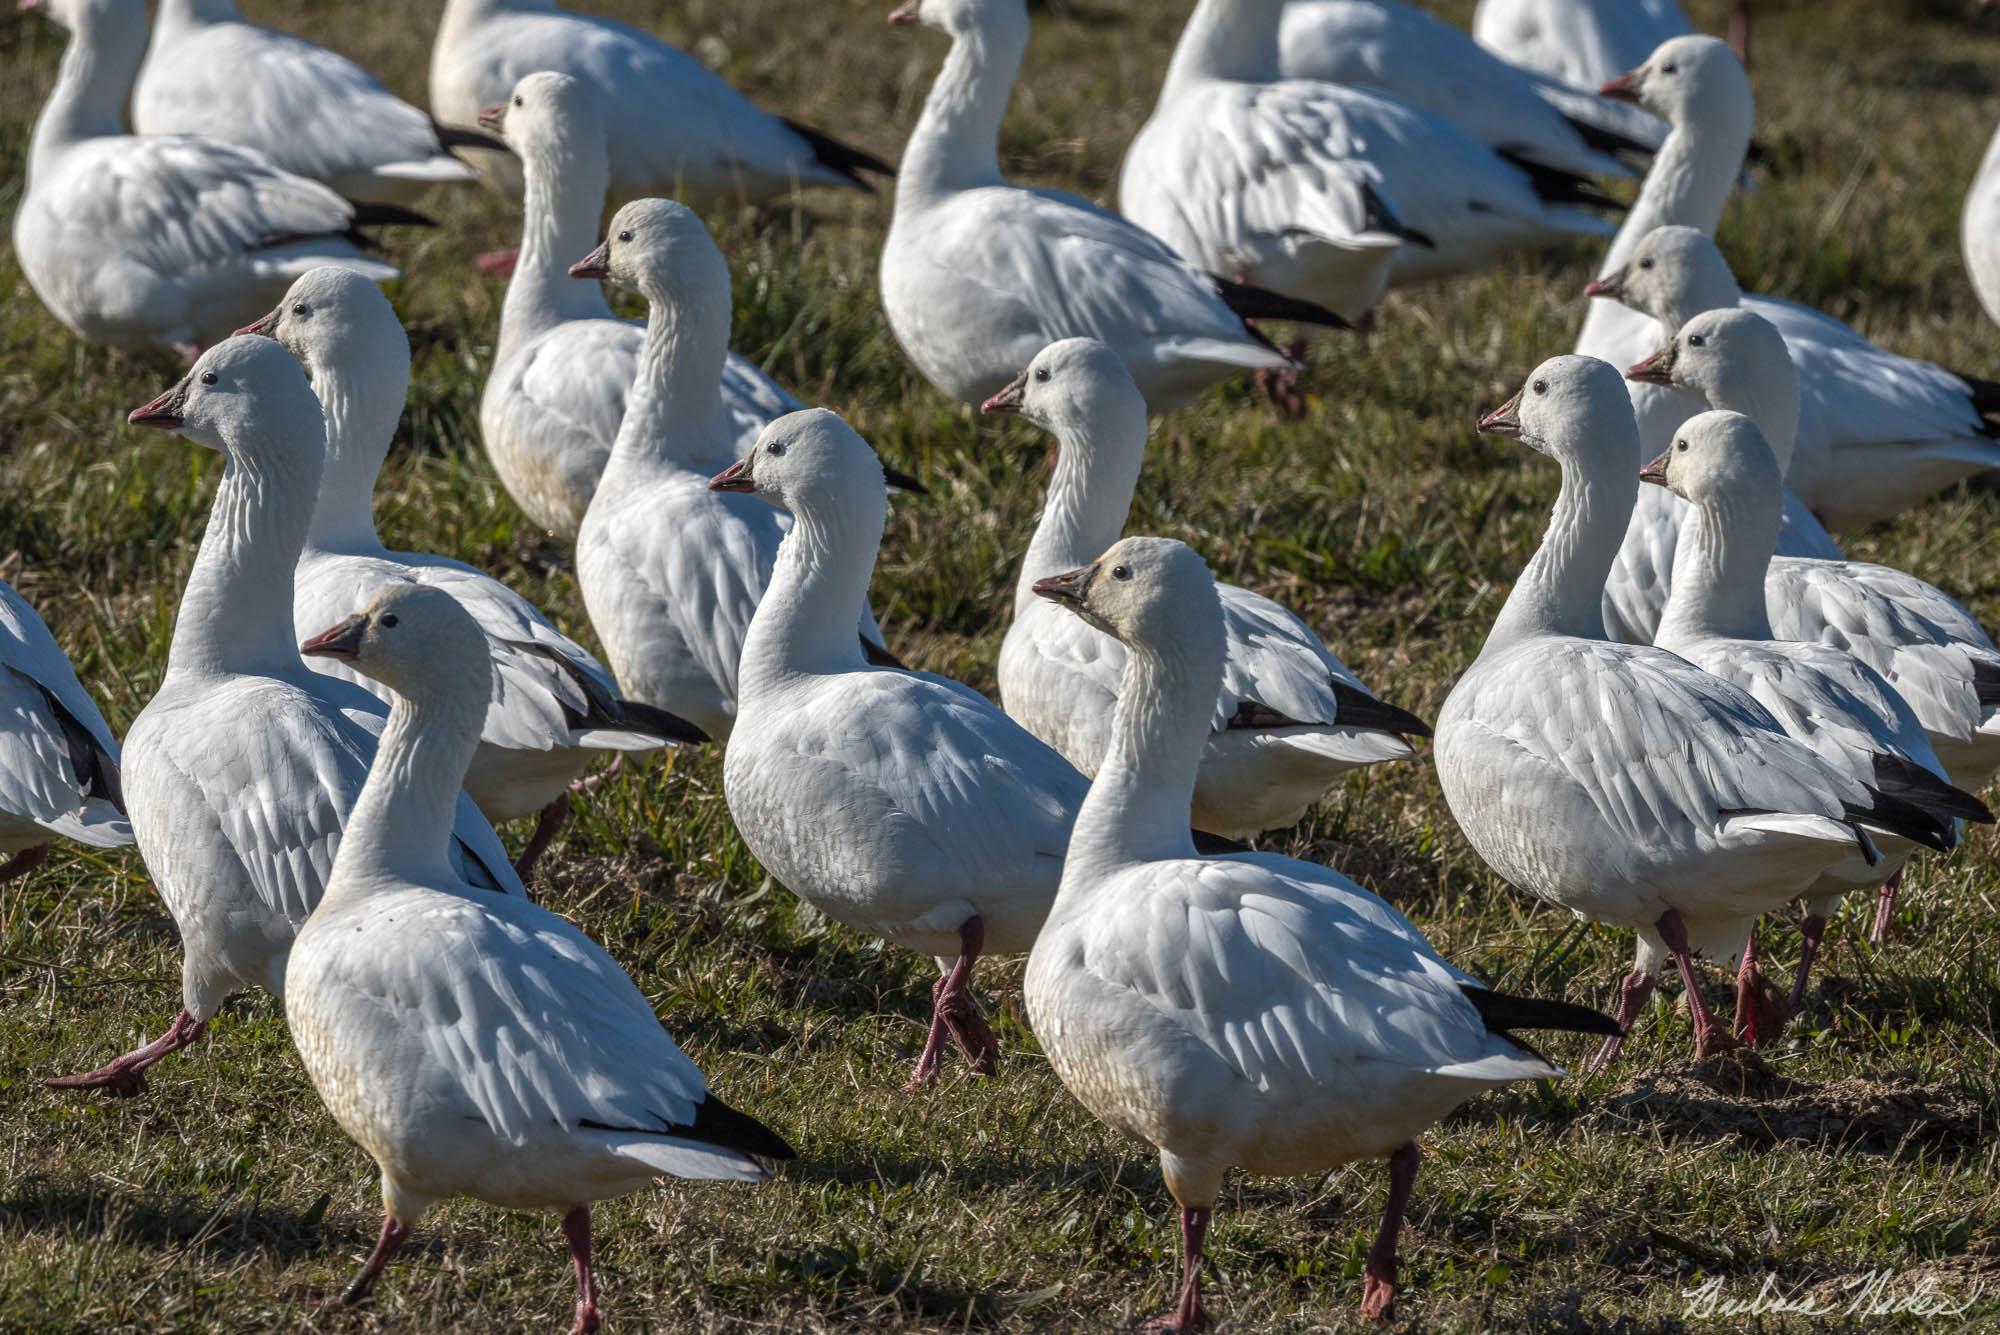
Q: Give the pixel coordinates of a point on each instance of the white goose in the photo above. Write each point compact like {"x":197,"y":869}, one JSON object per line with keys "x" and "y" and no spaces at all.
{"x":1310,"y":188}
{"x":1617,"y":781}
{"x":674,"y":126}
{"x":899,"y":803}
{"x":242,"y":769}
{"x":1825,"y":697}
{"x":162,"y":243}
{"x":1582,"y":42}
{"x":563,"y":363}
{"x":1877,"y":432}
{"x":1928,"y":646}
{"x":670,"y":571}
{"x":1979,"y":233}
{"x":1251,"y":1010}
{"x":312,"y":111}
{"x":58,"y":758}
{"x":554,"y":707}
{"x":979,"y":275}
{"x":477,"y":1045}
{"x":1290,"y":719}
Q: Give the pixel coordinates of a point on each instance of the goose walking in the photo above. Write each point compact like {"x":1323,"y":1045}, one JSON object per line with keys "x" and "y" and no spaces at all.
{"x":312,"y":111}
{"x":979,"y":275}
{"x":243,"y":768}
{"x":673,"y":125}
{"x":1620,"y":781}
{"x":1247,"y":1011}
{"x":58,"y":758}
{"x":898,"y":803}
{"x":1583,"y":42}
{"x":563,"y":363}
{"x":554,"y":707}
{"x":478,"y":1045}
{"x":1289,"y":720}
{"x":162,"y":243}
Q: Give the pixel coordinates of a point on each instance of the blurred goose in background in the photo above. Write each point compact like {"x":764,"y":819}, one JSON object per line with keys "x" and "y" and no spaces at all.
{"x":898,"y":803}
{"x":672,"y":125}
{"x":312,"y":111}
{"x":477,"y":1045}
{"x":1979,"y":233}
{"x":1925,"y":643}
{"x":979,"y":275}
{"x":554,"y":708}
{"x":1619,"y":781}
{"x":1824,"y":696}
{"x":1582,"y":42}
{"x":58,"y":758}
{"x":563,"y":363}
{"x":1289,"y":720}
{"x":1247,"y":1011}
{"x":1306,"y":188}
{"x":1877,"y":433}
{"x":165,"y":243}
{"x":241,"y":771}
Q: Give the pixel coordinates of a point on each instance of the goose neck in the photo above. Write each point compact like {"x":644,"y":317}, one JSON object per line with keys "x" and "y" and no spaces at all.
{"x":1088,"y":499}
{"x":806,"y":623}
{"x":401,"y":829}
{"x":1724,"y":549}
{"x":956,"y":145}
{"x":88,"y":100}
{"x":563,"y":197}
{"x":360,"y":424}
{"x":236,"y":613}
{"x":1235,"y":40}
{"x":1772,"y":402}
{"x":1561,"y":592}
{"x":674,"y":414}
{"x":1688,"y":185}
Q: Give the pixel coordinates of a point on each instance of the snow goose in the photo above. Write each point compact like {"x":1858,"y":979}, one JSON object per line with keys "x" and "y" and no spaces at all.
{"x":1246,"y":1011}
{"x":554,"y":707}
{"x":1825,"y":697}
{"x":1310,"y":188}
{"x":1416,"y":58}
{"x":1928,"y":646}
{"x":898,"y":803}
{"x":1877,"y":432}
{"x":670,"y":570}
{"x":58,"y":759}
{"x":170,"y":242}
{"x":673,"y":125}
{"x":242,"y":769}
{"x":1619,"y":781}
{"x":979,"y":275}
{"x":312,"y":111}
{"x":477,"y":1045}
{"x":1980,"y":230}
{"x":563,"y":363}
{"x":1290,"y":718}
{"x":1581,"y":42}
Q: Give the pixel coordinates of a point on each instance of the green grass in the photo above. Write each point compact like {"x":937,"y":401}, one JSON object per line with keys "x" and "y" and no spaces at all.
{"x":228,"y":1200}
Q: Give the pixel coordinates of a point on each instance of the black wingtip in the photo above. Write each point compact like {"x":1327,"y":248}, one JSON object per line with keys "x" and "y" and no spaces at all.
{"x":458,"y":136}
{"x":1910,"y":782}
{"x":1502,"y":1013}
{"x":1606,"y":140}
{"x":645,"y":718}
{"x":1216,"y":845}
{"x":1377,"y":216}
{"x":1256,"y":303}
{"x":716,"y":1123}
{"x":1555,"y":186}
{"x":898,"y":480}
{"x":1892,"y":815}
{"x":388,"y":215}
{"x":1985,"y":394}
{"x":1986,"y":681}
{"x":878,"y":655}
{"x":846,"y":159}
{"x":1358,"y":709}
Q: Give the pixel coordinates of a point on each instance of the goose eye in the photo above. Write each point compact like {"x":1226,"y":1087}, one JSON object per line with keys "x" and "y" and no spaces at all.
{"x":776,"y":449}
{"x":389,"y":620}
{"x":1681,"y":445}
{"x":1670,"y":68}
{"x":518,"y":102}
{"x":299,"y":309}
{"x":208,"y":377}
{"x":1121,"y":572}
{"x":1541,"y":387}
{"x":1697,"y":341}
{"x":1042,"y":373}
{"x":1645,"y":264}
{"x":625,"y":235}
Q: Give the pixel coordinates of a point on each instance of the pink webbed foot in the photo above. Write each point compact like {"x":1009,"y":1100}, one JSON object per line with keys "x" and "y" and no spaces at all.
{"x":23,"y":862}
{"x":546,"y":825}
{"x":1812,"y":930}
{"x":1761,"y":1011}
{"x":1885,"y":909}
{"x":126,"y":1077}
{"x":1378,"y":1276}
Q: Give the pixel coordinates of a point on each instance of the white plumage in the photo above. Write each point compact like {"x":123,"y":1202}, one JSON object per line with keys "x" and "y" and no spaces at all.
{"x":1979,"y":233}
{"x":1578,"y":41}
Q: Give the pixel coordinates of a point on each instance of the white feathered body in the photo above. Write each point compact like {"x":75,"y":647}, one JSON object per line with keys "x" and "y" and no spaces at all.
{"x":1980,"y":230}
{"x":1578,"y":41}
{"x":44,"y":789}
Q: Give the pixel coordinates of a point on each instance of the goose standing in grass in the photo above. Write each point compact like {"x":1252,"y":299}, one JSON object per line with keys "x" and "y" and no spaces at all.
{"x":898,"y":803}
{"x":563,"y":363}
{"x":1326,"y":192}
{"x":1582,"y":42}
{"x":1247,"y":1011}
{"x":1720,"y":464}
{"x":554,"y":708}
{"x":1925,"y":643}
{"x":673,"y":125}
{"x":1619,"y":781}
{"x":241,"y":771}
{"x":58,"y":759}
{"x":312,"y":111}
{"x":477,"y":1045}
{"x":979,"y":275}
{"x":1877,"y":433}
{"x":1979,"y":230}
{"x":170,"y":242}
{"x":1289,"y":720}
{"x":671,"y":571}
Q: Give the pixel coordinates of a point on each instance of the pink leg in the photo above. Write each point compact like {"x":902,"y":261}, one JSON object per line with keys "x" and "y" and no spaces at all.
{"x":576,"y":1227}
{"x":394,"y":1235}
{"x":592,"y":783}
{"x":1761,"y":1014}
{"x":1189,"y":1315}
{"x":1632,"y":995}
{"x":552,"y":817}
{"x":127,"y":1076}
{"x":1812,"y":930}
{"x":1709,"y":1035}
{"x":23,"y":862}
{"x":496,"y":263}
{"x":1739,"y":31}
{"x":1885,"y":908}
{"x":1378,"y":1278}
{"x":954,"y":1012}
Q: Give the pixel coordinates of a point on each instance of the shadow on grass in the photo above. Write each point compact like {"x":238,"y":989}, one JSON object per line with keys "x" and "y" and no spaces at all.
{"x":229,"y":1226}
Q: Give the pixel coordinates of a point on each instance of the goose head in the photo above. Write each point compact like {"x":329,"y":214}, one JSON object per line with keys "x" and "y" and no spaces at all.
{"x":91,"y":17}
{"x":1152,"y":594}
{"x":1674,"y":272}
{"x":1716,"y":459}
{"x":1074,"y":388}
{"x":661,"y":248}
{"x":548,"y":116}
{"x":1736,"y":359}
{"x":243,"y":395}
{"x":333,"y":319}
{"x":962,"y":18}
{"x":413,"y":638}
{"x":813,"y":464}
{"x":1690,"y":80}
{"x":1575,"y":410}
